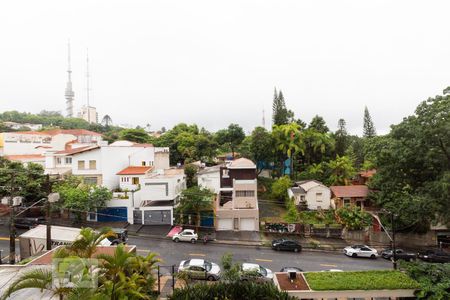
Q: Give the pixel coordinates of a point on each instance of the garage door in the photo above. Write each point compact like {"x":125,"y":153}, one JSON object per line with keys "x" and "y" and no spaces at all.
{"x":247,"y":224}
{"x":157,"y":217}
{"x":225,"y":224}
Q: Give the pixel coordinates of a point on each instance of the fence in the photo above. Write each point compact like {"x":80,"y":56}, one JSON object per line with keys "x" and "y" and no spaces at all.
{"x":164,"y":274}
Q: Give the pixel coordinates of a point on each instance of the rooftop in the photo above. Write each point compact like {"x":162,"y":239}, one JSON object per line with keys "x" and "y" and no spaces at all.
{"x":135,"y":170}
{"x":77,"y":150}
{"x":241,"y":163}
{"x":308,"y":184}
{"x":351,"y":191}
{"x":25,"y":157}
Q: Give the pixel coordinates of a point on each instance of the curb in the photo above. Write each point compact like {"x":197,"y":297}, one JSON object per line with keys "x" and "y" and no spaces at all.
{"x":234,"y":243}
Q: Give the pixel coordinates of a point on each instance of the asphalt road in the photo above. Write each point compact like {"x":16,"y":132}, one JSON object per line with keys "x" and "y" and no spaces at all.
{"x":172,"y":253}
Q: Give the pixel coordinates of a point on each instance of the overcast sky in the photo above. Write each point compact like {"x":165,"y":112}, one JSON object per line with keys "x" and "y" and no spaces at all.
{"x":215,"y":63}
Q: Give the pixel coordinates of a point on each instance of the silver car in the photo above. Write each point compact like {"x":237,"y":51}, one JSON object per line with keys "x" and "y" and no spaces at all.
{"x":200,"y":269}
{"x":256,"y":273}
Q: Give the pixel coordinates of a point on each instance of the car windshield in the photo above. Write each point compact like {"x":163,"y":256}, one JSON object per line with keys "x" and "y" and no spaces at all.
{"x":208,"y":266}
{"x":263,"y":271}
{"x":186,"y":263}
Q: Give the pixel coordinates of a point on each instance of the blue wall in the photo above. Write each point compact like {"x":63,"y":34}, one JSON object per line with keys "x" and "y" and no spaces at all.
{"x":112,"y":214}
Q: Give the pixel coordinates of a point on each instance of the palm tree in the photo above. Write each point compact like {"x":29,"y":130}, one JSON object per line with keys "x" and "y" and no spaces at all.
{"x":289,"y":140}
{"x":341,"y":170}
{"x":316,"y":142}
{"x":87,"y":242}
{"x":41,"y":279}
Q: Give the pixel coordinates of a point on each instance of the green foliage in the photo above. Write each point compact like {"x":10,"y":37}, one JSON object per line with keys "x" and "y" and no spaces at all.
{"x":359,"y":280}
{"x":324,"y":217}
{"x":190,"y":171}
{"x":230,"y":291}
{"x":279,"y":188}
{"x":134,"y":135}
{"x":318,"y":124}
{"x":230,"y":269}
{"x":341,"y":170}
{"x":261,"y":146}
{"x":29,"y":180}
{"x":280,"y":114}
{"x":434,"y":279}
{"x":316,"y":145}
{"x":353,"y":217}
{"x":341,"y":138}
{"x":231,"y":137}
{"x":193,"y":201}
{"x":368,"y":126}
{"x":413,"y":167}
{"x":292,"y":215}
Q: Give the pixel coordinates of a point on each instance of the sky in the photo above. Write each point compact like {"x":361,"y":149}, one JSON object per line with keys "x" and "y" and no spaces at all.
{"x":217,"y":62}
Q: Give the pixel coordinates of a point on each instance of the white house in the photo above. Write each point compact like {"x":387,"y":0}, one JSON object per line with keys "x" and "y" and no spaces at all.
{"x":311,"y":193}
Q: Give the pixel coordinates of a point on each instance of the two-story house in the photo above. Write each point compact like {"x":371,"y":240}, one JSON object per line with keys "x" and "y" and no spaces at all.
{"x":311,"y":194}
{"x":236,"y":203}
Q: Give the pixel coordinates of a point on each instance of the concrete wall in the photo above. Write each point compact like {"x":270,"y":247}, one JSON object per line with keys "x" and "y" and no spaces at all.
{"x":313,"y":201}
{"x":406,"y":240}
{"x":210,"y":181}
{"x":245,"y":202}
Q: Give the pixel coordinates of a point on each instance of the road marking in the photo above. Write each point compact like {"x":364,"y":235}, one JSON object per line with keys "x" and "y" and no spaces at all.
{"x":197,"y":254}
{"x":6,"y":239}
{"x":266,"y":260}
{"x":324,"y":265}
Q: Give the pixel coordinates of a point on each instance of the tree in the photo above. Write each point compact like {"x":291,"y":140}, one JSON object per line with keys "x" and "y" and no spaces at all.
{"x":369,"y":127}
{"x":292,"y":215}
{"x":341,"y":137}
{"x":288,"y":139}
{"x":232,"y":137}
{"x":106,"y":121}
{"x":194,"y":201}
{"x":134,"y":135}
{"x":190,"y":171}
{"x":280,"y":114}
{"x":260,"y":146}
{"x":341,"y":170}
{"x":413,"y":167}
{"x":86,"y":244}
{"x":319,"y":124}
{"x":353,"y":218}
{"x":316,"y":144}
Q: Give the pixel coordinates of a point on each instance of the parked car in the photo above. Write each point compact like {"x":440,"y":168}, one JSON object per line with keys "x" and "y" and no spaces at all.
{"x":399,"y":254}
{"x":200,"y":269}
{"x":434,"y":256}
{"x":28,"y":223}
{"x":291,"y":269}
{"x":360,"y":251}
{"x":255,"y":272}
{"x":187,"y":235}
{"x":285,"y":244}
{"x":120,"y":237}
{"x":332,"y":270}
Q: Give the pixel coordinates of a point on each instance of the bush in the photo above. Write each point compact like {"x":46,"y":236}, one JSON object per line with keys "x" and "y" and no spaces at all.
{"x":353,"y":217}
{"x":279,"y":188}
{"x":230,"y":291}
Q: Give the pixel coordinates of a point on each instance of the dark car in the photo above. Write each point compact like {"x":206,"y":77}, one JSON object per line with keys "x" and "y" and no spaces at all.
{"x":435,"y":256}
{"x":291,"y":269}
{"x":284,"y":244}
{"x":28,"y":223}
{"x":120,"y":237}
{"x":399,"y":254}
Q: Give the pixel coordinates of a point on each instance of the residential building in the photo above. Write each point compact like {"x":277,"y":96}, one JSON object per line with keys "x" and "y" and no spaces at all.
{"x":363,"y":177}
{"x":311,"y":194}
{"x":236,"y":203}
{"x":19,"y":126}
{"x":346,"y":195}
{"x":88,"y":113}
{"x":31,"y":146}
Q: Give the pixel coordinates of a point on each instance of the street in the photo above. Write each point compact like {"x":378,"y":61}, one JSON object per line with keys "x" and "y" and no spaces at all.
{"x":172,"y":253}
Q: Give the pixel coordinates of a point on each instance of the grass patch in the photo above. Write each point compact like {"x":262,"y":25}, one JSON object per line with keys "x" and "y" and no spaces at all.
{"x":317,"y":217}
{"x":360,"y":280}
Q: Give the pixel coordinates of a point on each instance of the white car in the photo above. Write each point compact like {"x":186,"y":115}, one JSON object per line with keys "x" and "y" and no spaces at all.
{"x":187,"y":235}
{"x":255,"y":272}
{"x":360,"y":251}
{"x":200,"y":269}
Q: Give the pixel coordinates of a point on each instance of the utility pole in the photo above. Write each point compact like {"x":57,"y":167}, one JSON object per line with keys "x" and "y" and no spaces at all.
{"x":12,"y":225}
{"x":49,"y":214}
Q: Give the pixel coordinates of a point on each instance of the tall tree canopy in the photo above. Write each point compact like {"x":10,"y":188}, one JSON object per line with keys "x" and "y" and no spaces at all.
{"x":368,"y":126}
{"x":413,"y":166}
{"x":341,"y":138}
{"x":280,"y":114}
{"x":232,"y":137}
{"x":318,"y":123}
{"x":261,"y":146}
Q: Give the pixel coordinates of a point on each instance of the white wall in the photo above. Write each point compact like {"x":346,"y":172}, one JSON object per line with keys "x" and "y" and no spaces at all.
{"x":312,"y":199}
{"x":210,"y":181}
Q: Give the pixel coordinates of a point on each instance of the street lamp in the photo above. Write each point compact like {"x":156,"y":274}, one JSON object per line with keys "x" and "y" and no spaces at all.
{"x":51,"y":198}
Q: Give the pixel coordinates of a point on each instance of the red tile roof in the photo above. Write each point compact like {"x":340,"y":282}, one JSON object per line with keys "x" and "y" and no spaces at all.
{"x":368,"y":173}
{"x":29,"y":132}
{"x":77,"y":150}
{"x":75,"y":132}
{"x":350,"y":191}
{"x":25,"y":157}
{"x":137,"y":170}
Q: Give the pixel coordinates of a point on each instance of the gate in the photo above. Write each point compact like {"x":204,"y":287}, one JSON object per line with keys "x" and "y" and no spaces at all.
{"x":166,"y":279}
{"x":137,"y":216}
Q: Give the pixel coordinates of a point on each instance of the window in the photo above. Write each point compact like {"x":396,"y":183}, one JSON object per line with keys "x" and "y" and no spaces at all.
{"x":90,"y":180}
{"x":236,"y":224}
{"x":92,"y":164}
{"x":319,"y":197}
{"x":150,"y":163}
{"x":135,"y":180}
{"x":92,"y":216}
{"x":225,"y":173}
{"x":81,"y":165}
{"x":346,"y":201}
{"x":245,"y":193}
{"x":143,"y":163}
{"x":302,"y":197}
{"x":58,"y":160}
{"x":68,"y":160}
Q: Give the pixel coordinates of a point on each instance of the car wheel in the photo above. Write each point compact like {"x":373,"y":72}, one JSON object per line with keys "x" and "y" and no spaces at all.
{"x":211,"y":278}
{"x":373,"y":256}
{"x":296,"y":250}
{"x":114,"y":243}
{"x":193,"y":241}
{"x":354,"y":255}
{"x":176,"y":240}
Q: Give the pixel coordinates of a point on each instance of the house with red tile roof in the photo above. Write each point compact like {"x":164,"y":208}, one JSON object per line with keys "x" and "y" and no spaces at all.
{"x":347,"y":195}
